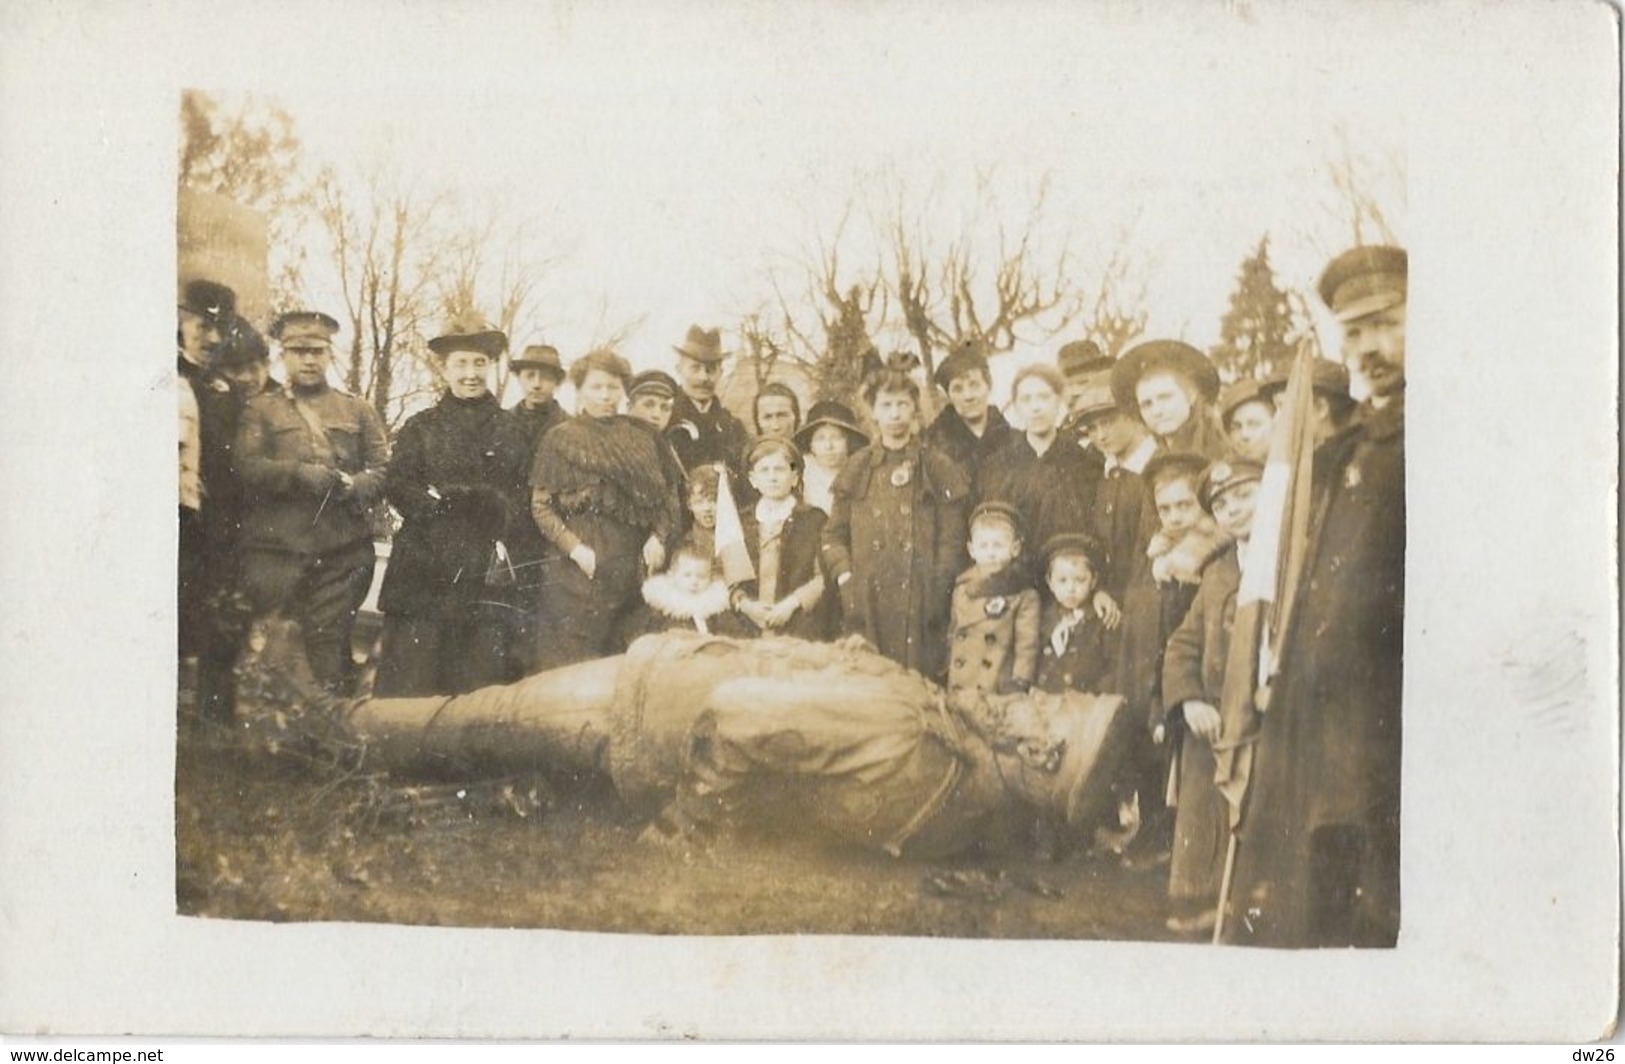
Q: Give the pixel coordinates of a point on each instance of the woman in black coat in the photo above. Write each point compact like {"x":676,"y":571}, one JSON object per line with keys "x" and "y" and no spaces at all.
{"x":453,"y":477}
{"x":601,"y":497}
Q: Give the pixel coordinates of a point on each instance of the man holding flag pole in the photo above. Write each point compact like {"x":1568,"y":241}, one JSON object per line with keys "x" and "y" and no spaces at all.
{"x":1309,"y":749}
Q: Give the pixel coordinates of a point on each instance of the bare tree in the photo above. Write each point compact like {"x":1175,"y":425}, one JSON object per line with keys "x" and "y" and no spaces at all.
{"x":1365,"y":200}
{"x":386,"y":259}
{"x":1019,"y":294}
{"x":491,"y":266}
{"x":1115,"y":315}
{"x":611,"y":329}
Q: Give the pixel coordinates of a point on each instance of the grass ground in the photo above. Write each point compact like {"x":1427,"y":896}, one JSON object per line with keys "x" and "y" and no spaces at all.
{"x":269,"y":838}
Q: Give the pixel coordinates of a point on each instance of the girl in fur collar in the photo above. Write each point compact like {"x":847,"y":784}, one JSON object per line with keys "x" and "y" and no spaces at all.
{"x":690,"y":595}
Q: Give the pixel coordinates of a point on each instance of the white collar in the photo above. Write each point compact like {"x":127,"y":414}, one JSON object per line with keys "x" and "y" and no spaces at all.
{"x":769,"y":512}
{"x":661,"y":592}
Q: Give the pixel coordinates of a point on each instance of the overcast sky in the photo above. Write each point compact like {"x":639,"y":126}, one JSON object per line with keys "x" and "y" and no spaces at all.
{"x":677,"y":155}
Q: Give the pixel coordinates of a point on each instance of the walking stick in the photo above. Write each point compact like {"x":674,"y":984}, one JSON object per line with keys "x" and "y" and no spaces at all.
{"x":1224,"y":889}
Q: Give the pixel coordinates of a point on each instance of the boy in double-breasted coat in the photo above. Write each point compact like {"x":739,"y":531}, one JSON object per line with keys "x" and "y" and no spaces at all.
{"x":994,"y":624}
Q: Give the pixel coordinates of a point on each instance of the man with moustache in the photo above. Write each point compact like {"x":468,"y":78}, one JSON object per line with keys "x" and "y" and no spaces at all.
{"x":312,"y":461}
{"x":1318,"y":863}
{"x":702,"y":430}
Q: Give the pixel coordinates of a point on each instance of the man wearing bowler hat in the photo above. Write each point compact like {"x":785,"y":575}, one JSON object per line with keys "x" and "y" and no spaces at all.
{"x":209,"y":493}
{"x":702,"y":430}
{"x":1318,"y":863}
{"x":1085,"y":367}
{"x":312,"y":461}
{"x":539,"y":372}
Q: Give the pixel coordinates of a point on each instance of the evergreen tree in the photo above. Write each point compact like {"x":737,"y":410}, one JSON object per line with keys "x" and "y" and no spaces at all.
{"x":1256,"y":335}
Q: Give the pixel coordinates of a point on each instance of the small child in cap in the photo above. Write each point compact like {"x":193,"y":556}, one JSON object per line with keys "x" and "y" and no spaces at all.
{"x":994,"y":623}
{"x":1077,"y":653}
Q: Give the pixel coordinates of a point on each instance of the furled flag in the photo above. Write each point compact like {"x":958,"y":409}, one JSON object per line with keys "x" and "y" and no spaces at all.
{"x":730,"y":538}
{"x":1270,"y":570}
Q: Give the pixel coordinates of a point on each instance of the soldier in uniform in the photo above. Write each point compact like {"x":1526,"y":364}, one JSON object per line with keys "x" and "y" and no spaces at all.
{"x":1318,"y":863}
{"x":312,"y":461}
{"x":702,"y":430}
{"x":209,"y":496}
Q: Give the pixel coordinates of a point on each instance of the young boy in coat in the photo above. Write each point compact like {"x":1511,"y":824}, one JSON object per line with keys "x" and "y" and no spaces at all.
{"x":1192,"y":685}
{"x":1077,"y":652}
{"x":994,"y":619}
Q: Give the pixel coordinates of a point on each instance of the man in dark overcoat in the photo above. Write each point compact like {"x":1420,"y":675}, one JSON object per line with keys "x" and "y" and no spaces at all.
{"x":702,"y":430}
{"x":210,"y":510}
{"x":540,"y":373}
{"x":1318,"y":863}
{"x":312,"y":461}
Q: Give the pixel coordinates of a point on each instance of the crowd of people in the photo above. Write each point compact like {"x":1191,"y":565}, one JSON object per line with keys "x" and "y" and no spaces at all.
{"x":1093,"y":541}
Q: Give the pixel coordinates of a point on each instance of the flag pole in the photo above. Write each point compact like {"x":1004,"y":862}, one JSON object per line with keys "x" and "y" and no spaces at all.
{"x":1271,"y":564}
{"x":1224,"y":888}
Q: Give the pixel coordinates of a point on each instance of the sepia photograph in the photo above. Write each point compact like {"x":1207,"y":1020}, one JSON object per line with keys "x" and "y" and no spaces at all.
{"x":862,"y":478}
{"x":894,"y":585}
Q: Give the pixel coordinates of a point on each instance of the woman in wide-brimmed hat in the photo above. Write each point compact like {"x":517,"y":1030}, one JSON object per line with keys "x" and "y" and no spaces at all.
{"x":455,"y":478}
{"x":600,"y":495}
{"x":1172,"y":386}
{"x":829,"y":437}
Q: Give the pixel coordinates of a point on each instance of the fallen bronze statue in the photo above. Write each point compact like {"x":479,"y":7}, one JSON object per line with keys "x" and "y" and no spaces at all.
{"x":703,"y":733}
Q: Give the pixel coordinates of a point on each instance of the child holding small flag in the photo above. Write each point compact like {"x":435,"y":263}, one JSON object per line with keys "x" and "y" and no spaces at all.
{"x":1192,"y":687}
